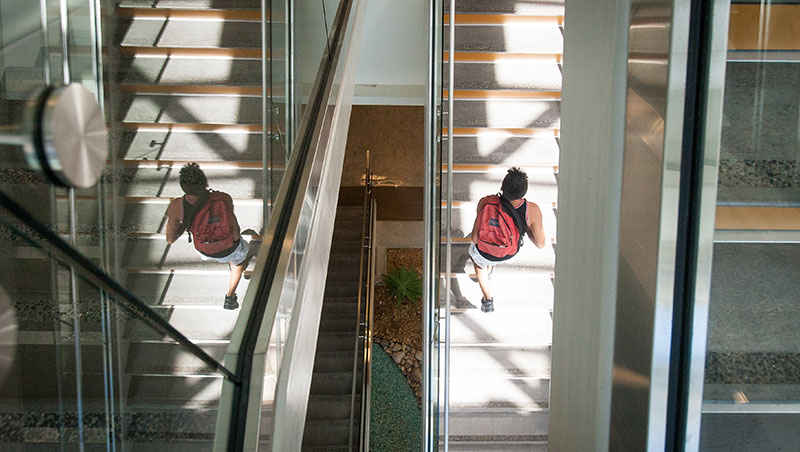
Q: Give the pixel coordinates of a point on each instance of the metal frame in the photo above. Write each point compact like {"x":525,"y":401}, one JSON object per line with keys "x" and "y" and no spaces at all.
{"x":695,"y":340}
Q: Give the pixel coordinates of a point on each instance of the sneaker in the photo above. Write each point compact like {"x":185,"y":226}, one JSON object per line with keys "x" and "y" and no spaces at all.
{"x":487,"y":305}
{"x":230,"y":302}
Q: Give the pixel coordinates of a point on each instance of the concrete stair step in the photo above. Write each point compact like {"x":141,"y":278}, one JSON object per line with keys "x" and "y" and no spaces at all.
{"x":550,"y":7}
{"x":542,"y":186}
{"x":507,"y":150}
{"x":512,"y":291}
{"x":326,"y":433}
{"x":150,"y":182}
{"x":518,"y":38}
{"x":176,"y":391}
{"x":332,"y":382}
{"x":498,"y":446}
{"x":333,"y":361}
{"x":36,"y":382}
{"x":178,"y":109}
{"x":344,"y":260}
{"x":507,"y":113}
{"x":189,"y":33}
{"x":336,"y":406}
{"x":341,"y":289}
{"x":330,"y":342}
{"x":157,"y":254}
{"x":501,"y":327}
{"x":192,"y":4}
{"x":523,"y":75}
{"x":190,"y":71}
{"x":468,"y":391}
{"x":748,"y":431}
{"x":181,"y":289}
{"x":196,"y":323}
{"x":499,"y":424}
{"x":197,"y":146}
{"x":170,"y":358}
{"x":342,"y":324}
{"x":499,"y":361}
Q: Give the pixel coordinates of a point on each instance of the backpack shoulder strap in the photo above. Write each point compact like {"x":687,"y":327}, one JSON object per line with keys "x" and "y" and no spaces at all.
{"x":202,"y":200}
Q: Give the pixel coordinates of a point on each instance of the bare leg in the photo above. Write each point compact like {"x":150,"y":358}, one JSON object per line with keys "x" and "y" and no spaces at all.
{"x":483,"y":281}
{"x":236,"y":275}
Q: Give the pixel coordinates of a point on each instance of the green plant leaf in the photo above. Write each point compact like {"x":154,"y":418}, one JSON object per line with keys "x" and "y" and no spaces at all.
{"x":403,"y":284}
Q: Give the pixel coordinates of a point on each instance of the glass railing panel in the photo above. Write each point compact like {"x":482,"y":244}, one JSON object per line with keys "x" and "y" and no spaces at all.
{"x":82,"y":372}
{"x":751,"y":395}
{"x":276,"y":332}
{"x":311,"y":28}
{"x":24,"y":69}
{"x":437,"y":280}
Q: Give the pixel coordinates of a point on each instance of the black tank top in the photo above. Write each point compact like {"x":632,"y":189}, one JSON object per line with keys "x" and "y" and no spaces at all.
{"x":521,"y":222}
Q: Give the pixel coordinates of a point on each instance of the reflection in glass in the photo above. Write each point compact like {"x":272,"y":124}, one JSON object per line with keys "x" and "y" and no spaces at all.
{"x":752,"y":377}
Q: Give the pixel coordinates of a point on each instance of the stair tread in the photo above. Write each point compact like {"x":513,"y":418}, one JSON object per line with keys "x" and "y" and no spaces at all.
{"x":190,"y":33}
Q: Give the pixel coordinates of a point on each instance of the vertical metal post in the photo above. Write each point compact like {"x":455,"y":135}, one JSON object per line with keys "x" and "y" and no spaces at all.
{"x":45,"y":41}
{"x":76,"y":318}
{"x":448,"y":219}
{"x":73,"y":235}
{"x":290,"y":131}
{"x":429,"y":272}
{"x":64,"y":13}
{"x":266,"y":111}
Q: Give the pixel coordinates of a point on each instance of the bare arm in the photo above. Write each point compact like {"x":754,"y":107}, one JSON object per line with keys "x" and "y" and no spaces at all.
{"x":474,"y":233}
{"x":535,"y":229}
{"x":174,"y":226}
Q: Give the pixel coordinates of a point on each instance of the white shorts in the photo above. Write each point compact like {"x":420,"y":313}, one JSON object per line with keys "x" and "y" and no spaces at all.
{"x":481,"y":261}
{"x":236,"y":257}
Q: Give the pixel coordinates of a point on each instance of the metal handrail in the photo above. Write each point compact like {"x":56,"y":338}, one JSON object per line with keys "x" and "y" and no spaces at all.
{"x":364,"y":326}
{"x":366,"y":380}
{"x":41,"y":236}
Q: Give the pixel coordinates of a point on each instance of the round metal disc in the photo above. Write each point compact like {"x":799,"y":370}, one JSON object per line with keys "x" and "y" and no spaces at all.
{"x":8,"y":335}
{"x":74,"y":136}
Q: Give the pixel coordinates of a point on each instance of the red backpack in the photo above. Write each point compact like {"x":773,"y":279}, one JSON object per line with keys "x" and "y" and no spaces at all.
{"x":498,"y":234}
{"x":210,"y":226}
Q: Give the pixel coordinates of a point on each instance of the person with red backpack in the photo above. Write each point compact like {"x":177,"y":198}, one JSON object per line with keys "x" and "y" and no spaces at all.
{"x":502,"y":222}
{"x":208,"y":217}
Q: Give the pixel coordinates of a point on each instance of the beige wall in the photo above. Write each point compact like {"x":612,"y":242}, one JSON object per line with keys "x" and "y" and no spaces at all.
{"x":395,"y":136}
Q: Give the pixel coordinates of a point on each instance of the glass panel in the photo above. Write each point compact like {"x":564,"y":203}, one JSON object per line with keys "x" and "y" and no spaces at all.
{"x":312,"y":23}
{"x":83,"y":373}
{"x":752,"y":372}
{"x":435,"y":318}
{"x":24,"y":69}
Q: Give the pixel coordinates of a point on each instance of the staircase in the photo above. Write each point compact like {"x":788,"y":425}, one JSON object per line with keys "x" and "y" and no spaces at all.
{"x":328,"y":418}
{"x":506,"y":113}
{"x":187,"y":78}
{"x":182,"y":84}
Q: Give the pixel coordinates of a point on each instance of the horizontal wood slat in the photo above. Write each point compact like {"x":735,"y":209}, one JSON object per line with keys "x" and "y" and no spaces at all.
{"x":188,"y":127}
{"x":475,"y":131}
{"x":776,"y":27}
{"x":758,"y":218}
{"x":502,"y":94}
{"x":174,"y":13}
{"x":192,"y":89}
{"x":502,"y":19}
{"x":192,"y":52}
{"x":498,"y":57}
{"x":205,"y":164}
